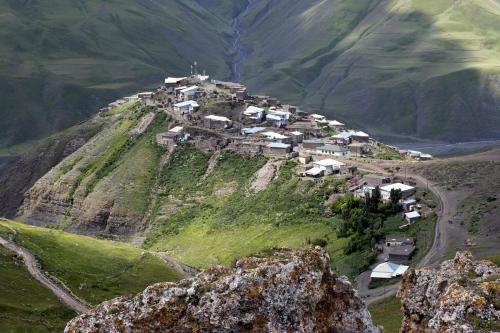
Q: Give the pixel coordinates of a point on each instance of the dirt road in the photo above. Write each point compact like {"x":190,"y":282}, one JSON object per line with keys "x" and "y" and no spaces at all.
{"x":33,"y":268}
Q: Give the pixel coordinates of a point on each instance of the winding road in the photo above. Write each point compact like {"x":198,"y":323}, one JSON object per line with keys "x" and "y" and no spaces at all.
{"x":34,"y":269}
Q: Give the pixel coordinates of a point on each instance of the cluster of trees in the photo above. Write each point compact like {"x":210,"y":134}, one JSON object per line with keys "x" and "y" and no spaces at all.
{"x":363,"y":220}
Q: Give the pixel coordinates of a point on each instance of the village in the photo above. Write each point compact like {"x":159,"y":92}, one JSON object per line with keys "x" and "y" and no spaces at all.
{"x":217,"y":115}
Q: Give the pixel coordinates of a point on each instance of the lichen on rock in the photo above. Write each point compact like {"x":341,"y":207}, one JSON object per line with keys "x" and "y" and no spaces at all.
{"x":462,"y":296}
{"x":291,"y":291}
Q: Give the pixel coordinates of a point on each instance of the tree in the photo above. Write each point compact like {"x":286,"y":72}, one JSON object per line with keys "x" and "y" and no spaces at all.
{"x":395,"y":198}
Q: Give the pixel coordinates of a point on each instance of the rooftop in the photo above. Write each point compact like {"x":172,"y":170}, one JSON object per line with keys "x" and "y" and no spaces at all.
{"x":171,"y":80}
{"x":176,"y":129}
{"x":401,"y":250}
{"x":329,"y":162}
{"x":253,"y":130}
{"x":187,"y":103}
{"x":218,"y":118}
{"x":278,"y":145}
{"x":253,"y":109}
{"x":333,"y":148}
{"x":412,"y":215}
{"x":397,"y":186}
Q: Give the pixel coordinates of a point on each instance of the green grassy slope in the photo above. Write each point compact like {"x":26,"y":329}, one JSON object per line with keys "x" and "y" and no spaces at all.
{"x":95,"y":270}
{"x":410,"y":68}
{"x":61,"y":59}
{"x":26,"y":305}
{"x":203,"y":221}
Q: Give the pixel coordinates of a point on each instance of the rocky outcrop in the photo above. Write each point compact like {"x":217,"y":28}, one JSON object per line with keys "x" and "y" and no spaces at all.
{"x":462,"y":296}
{"x":289,"y":292}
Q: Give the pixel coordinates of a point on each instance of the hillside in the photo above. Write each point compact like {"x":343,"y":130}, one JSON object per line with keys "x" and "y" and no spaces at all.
{"x":94,"y":270}
{"x":399,"y":69}
{"x":69,"y":58}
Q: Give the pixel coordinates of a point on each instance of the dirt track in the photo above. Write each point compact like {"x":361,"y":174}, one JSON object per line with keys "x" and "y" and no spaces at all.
{"x":33,"y":268}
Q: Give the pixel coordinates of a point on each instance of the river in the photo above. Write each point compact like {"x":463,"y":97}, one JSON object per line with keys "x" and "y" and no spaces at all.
{"x":241,"y":55}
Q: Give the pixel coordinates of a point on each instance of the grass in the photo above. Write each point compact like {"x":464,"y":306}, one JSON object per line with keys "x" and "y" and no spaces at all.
{"x":95,"y":270}
{"x":26,"y":305}
{"x":218,"y":219}
{"x":388,"y":314}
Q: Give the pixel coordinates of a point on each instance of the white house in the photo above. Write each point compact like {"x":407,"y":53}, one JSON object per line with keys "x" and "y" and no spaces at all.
{"x":276,"y":137}
{"x":388,"y":270}
{"x":411,"y":217}
{"x":189,"y":92}
{"x":278,"y":118}
{"x":406,"y":190}
{"x":187,"y":107}
{"x":329,"y":166}
{"x":253,"y":112}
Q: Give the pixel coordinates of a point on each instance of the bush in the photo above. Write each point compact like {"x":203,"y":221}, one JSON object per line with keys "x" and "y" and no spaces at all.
{"x":320,"y":242}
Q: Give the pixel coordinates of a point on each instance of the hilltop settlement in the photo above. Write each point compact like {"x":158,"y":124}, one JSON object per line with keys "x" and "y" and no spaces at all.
{"x":216,"y":115}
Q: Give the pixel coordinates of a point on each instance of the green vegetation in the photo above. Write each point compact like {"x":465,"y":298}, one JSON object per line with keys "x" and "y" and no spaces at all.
{"x":95,"y":270}
{"x":221,"y":219}
{"x":388,"y":314}
{"x":26,"y":305}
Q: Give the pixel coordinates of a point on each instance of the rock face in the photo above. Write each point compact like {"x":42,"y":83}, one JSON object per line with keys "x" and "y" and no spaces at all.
{"x":289,"y":292}
{"x":462,"y":296}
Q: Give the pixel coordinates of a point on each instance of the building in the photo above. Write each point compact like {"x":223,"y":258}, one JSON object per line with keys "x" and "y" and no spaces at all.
{"x":402,"y":252}
{"x":406,"y":190}
{"x":297,"y":137}
{"x":277,"y":137}
{"x":336,"y":125}
{"x":317,"y":117}
{"x":388,"y":270}
{"x":254,"y":113}
{"x":329,"y":166}
{"x":425,"y":157}
{"x":305,"y":159}
{"x":399,"y":241}
{"x":376,"y":180}
{"x":173,"y":82}
{"x":315,"y":172}
{"x":252,"y":130}
{"x":190,"y":92}
{"x":278,"y":118}
{"x":359,"y":148}
{"x":277,"y":149}
{"x":412,"y":217}
{"x":272,"y":102}
{"x":187,"y":107}
{"x":217,"y":122}
{"x":144,"y":95}
{"x":342,"y":138}
{"x":409,"y":204}
{"x":359,"y":136}
{"x":173,"y":136}
{"x":312,"y":144}
{"x":333,"y":150}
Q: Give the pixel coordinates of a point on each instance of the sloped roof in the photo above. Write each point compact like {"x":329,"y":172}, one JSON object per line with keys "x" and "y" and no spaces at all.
{"x":278,"y":145}
{"x":187,"y":103}
{"x":329,"y":162}
{"x":170,"y":80}
{"x":397,"y":186}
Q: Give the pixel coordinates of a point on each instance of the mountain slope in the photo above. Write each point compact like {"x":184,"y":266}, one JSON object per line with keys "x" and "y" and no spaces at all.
{"x":70,"y":57}
{"x":417,"y":68}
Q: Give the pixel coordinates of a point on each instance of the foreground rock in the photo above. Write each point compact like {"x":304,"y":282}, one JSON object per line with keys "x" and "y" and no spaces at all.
{"x":462,"y":296}
{"x":289,"y":292}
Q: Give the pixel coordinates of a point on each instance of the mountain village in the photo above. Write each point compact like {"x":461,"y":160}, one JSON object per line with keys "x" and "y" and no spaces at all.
{"x":217,"y":115}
